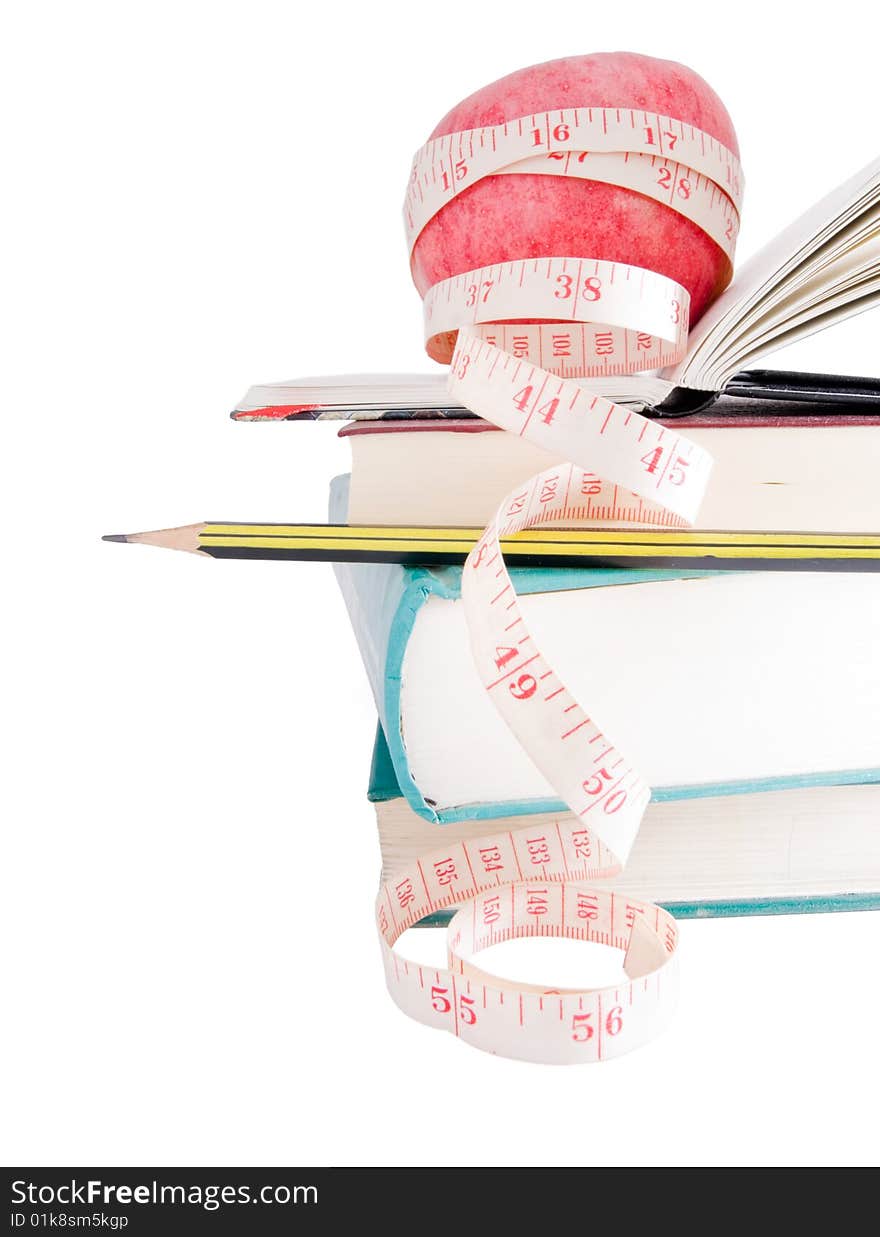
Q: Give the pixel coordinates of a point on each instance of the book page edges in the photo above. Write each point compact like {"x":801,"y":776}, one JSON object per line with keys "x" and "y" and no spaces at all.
{"x":770,"y":266}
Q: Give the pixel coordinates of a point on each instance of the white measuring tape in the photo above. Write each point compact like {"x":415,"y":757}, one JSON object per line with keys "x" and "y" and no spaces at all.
{"x":525,"y":329}
{"x":570,"y":290}
{"x":664,"y":159}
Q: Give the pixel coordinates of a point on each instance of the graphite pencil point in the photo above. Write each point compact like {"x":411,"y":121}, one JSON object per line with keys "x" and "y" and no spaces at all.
{"x":115,"y":537}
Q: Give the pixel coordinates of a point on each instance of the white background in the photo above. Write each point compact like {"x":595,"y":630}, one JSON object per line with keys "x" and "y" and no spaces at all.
{"x":190,"y":859}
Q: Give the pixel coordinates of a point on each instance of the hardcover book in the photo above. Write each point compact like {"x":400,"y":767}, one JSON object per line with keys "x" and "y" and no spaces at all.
{"x":772,"y":471}
{"x":699,"y":675}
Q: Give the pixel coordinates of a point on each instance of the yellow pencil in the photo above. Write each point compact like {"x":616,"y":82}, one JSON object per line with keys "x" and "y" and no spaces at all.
{"x":535,"y":547}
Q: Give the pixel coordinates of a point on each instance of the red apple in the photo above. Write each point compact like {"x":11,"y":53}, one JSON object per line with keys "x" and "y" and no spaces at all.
{"x":502,"y":218}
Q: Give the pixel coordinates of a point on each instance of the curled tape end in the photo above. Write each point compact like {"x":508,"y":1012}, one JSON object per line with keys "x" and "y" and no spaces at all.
{"x":645,"y":952}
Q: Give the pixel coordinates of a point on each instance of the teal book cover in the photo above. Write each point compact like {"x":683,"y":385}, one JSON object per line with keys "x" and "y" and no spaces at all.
{"x":384,"y":600}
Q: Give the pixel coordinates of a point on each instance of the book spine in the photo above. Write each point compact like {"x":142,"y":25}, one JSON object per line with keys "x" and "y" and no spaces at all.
{"x":372,"y":593}
{"x":382,"y":601}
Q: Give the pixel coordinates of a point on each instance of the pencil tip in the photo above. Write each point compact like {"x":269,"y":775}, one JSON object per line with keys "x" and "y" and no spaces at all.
{"x":115,"y":537}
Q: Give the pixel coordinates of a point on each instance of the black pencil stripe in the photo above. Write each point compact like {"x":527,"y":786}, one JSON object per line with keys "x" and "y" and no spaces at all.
{"x":665,"y":561}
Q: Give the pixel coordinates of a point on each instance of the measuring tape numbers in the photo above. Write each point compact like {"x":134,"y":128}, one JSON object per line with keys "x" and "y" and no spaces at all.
{"x":531,"y":334}
{"x":657,"y":156}
{"x":530,"y":884}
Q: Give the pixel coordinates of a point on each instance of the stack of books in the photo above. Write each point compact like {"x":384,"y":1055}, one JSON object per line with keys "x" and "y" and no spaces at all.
{"x":759,"y":728}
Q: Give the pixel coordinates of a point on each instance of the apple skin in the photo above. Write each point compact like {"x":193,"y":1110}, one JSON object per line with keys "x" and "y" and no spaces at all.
{"x":503,"y":218}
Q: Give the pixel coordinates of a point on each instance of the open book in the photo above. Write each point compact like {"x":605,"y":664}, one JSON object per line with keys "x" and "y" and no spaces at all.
{"x":822,"y":268}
